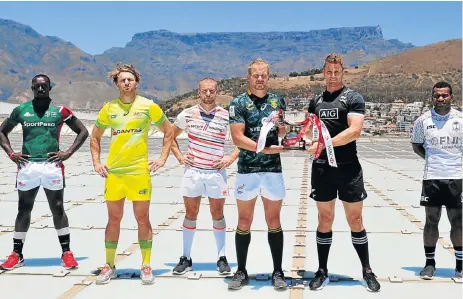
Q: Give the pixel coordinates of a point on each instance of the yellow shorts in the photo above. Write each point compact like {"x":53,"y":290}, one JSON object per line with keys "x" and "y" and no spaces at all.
{"x":132,"y":187}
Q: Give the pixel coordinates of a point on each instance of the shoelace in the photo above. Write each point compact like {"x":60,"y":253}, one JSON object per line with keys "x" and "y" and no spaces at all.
{"x":239,"y":276}
{"x":146,"y":270}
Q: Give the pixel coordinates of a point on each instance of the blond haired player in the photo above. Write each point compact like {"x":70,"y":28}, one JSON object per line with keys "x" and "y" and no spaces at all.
{"x":127,"y":170}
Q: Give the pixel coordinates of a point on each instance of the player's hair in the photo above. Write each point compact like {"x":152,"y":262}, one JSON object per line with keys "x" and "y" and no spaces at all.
{"x":442,"y":84}
{"x":258,"y":61}
{"x":334,"y":58}
{"x":206,"y":79}
{"x":43,"y":76}
{"x":120,"y":68}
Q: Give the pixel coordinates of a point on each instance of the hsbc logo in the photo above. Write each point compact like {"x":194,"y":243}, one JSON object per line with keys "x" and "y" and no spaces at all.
{"x":329,"y":113}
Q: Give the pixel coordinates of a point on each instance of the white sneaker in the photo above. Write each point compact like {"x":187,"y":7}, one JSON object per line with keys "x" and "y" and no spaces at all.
{"x":107,"y":273}
{"x":146,"y":275}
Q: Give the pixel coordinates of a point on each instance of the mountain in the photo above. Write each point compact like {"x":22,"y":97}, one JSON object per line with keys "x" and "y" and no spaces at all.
{"x":409,"y":76}
{"x":172,"y":63}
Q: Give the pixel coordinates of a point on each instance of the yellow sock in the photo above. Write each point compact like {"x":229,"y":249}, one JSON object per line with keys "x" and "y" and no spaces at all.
{"x":145,"y":247}
{"x":110,"y":252}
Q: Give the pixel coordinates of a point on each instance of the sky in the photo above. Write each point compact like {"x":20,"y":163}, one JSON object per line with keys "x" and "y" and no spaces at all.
{"x":97,"y":26}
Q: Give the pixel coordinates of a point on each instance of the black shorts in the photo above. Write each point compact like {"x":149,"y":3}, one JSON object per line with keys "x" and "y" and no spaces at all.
{"x":346,"y":180}
{"x":438,"y":193}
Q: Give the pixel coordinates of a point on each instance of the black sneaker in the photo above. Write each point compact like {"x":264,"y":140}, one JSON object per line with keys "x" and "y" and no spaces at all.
{"x":278,"y":280}
{"x":222,"y":266}
{"x":183,"y":266}
{"x":239,"y":280}
{"x":320,"y":280}
{"x":370,"y":281}
{"x":428,"y":272}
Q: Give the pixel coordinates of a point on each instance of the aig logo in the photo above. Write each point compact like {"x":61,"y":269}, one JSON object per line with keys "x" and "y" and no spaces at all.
{"x":329,"y":113}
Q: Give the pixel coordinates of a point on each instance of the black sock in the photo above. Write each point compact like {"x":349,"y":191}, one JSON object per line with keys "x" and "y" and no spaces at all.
{"x":323,"y":249}
{"x":458,"y":256}
{"x":18,"y":247}
{"x":360,"y":242}
{"x":275,"y":240}
{"x":242,"y":240}
{"x":64,"y":240}
{"x":429,"y":252}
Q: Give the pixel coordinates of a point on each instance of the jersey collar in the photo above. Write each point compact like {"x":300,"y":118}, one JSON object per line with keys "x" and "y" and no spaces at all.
{"x":213,"y":110}
{"x":437,"y":116}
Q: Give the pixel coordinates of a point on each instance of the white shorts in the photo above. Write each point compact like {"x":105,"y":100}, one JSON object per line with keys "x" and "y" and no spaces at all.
{"x":34,"y":174}
{"x":270,"y":185}
{"x":209,"y":183}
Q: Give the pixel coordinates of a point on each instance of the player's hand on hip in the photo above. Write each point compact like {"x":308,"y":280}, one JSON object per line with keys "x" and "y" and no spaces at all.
{"x":102,"y":170}
{"x":155,"y":165}
{"x":19,"y":158}
{"x":58,"y":156}
{"x":222,"y":163}
{"x":274,"y":149}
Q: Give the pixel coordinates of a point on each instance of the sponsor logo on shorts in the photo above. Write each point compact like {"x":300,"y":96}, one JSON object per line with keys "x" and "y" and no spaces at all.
{"x":21,"y":184}
{"x":240,"y":189}
{"x":424,"y":198}
{"x":143,"y":191}
{"x":329,"y":113}
{"x":39,"y":124}
{"x":224,"y":192}
{"x":56,"y":182}
{"x":129,"y":131}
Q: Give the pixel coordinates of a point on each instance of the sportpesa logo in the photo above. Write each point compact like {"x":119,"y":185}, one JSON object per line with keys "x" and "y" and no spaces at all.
{"x":130,"y":131}
{"x":39,"y":124}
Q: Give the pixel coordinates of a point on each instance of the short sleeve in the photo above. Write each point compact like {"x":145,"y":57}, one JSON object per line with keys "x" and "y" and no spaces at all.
{"x":102,"y":120}
{"x":418,"y":131}
{"x":13,"y":119}
{"x":66,"y":114}
{"x":156,"y":114}
{"x":311,"y":108}
{"x":236,"y":113}
{"x":356,"y":105}
{"x":180,"y":121}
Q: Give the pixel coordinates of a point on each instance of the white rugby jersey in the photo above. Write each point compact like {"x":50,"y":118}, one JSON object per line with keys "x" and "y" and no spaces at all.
{"x":442,"y":137}
{"x":206,"y":134}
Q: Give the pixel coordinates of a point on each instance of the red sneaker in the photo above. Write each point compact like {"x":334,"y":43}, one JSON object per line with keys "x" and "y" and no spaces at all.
{"x":12,"y":262}
{"x":68,"y":261}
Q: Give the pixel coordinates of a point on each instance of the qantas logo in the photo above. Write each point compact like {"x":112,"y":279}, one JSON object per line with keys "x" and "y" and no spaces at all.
{"x":130,"y":131}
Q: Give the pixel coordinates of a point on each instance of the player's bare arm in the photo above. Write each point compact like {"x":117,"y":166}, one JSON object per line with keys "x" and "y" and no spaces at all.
{"x":5,"y":129}
{"x":352,"y":133}
{"x":176,"y":149}
{"x":95,"y":150}
{"x":418,"y":148}
{"x":82,"y":134}
{"x":166,"y":129}
{"x":241,"y":141}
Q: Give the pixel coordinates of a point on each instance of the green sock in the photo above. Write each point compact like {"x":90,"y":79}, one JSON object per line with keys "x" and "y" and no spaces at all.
{"x":110,"y":252}
{"x":145,"y":247}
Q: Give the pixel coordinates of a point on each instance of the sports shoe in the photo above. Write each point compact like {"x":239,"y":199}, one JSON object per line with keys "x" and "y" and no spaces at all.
{"x":239,"y":280}
{"x":68,"y":261}
{"x":320,"y":280}
{"x":146,"y":275}
{"x":183,"y":266}
{"x":428,"y":272}
{"x":458,"y":274}
{"x":12,"y":262}
{"x":222,"y":266}
{"x":107,"y":273}
{"x":278,"y":280}
{"x":371,"y":283}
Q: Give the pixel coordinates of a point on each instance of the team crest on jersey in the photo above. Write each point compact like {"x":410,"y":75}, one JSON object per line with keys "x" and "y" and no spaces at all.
{"x":456,"y":126}
{"x":232,"y":111}
{"x":274,"y":103}
{"x":50,"y":114}
{"x":250,"y":106}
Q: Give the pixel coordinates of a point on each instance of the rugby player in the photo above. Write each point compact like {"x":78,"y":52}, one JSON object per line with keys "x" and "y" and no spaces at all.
{"x":437,"y":138}
{"x":127,"y":170}
{"x":258,"y":173}
{"x":342,"y":110}
{"x":207,"y":127}
{"x":40,"y":163}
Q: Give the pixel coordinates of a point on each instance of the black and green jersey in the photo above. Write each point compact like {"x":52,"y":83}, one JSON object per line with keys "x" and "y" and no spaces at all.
{"x":40,"y":134}
{"x":249,"y":109}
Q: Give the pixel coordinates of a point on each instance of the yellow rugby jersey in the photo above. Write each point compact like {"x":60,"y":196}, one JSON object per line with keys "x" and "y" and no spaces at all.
{"x":130,"y":124}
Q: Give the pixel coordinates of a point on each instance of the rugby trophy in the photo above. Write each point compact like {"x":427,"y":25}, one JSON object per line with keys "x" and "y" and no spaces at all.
{"x":297,"y":128}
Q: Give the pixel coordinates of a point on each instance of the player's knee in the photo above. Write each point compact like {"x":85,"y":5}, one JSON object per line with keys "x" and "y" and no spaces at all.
{"x":244,"y":222}
{"x":273,"y":222}
{"x":191,"y":213}
{"x":217,"y":213}
{"x":57,"y":208}
{"x":326,"y":218}
{"x":142,"y":218}
{"x":433,"y":216}
{"x":114,"y":218}
{"x":355,"y":221}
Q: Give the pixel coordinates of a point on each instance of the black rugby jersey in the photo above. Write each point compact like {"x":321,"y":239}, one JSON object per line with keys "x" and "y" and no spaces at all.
{"x":332,"y":109}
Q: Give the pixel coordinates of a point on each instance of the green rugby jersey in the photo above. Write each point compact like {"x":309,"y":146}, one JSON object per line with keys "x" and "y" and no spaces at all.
{"x":40,"y":134}
{"x":250,"y":110}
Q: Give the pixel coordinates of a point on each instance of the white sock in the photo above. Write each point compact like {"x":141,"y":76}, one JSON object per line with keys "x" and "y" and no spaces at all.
{"x":189,"y":229}
{"x":220,"y":235}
